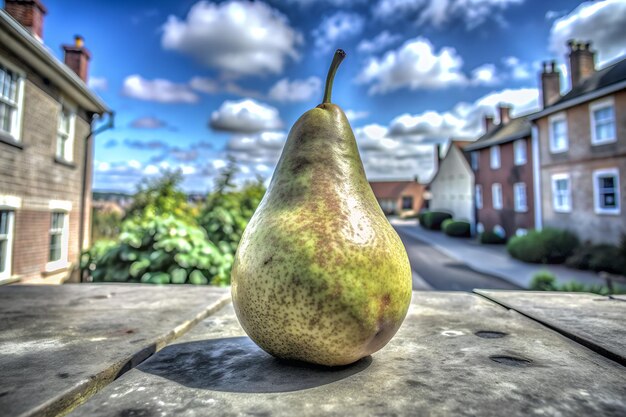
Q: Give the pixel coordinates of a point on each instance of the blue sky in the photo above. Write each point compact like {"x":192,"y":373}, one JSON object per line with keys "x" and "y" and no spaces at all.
{"x":192,"y":82}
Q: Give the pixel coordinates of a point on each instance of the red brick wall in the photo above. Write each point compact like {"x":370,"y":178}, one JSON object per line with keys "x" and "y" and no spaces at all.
{"x":507,"y":175}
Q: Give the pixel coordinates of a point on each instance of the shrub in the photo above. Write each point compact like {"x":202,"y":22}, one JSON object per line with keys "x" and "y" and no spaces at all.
{"x":543,"y":281}
{"x":545,"y":246}
{"x":456,"y":228}
{"x":490,"y":237}
{"x":599,"y":258}
{"x":432,"y":219}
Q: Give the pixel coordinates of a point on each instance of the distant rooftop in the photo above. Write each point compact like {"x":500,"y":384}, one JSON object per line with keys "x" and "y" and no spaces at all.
{"x":517,"y":128}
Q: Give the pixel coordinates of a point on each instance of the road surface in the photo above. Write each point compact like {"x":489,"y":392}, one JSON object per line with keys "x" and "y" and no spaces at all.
{"x":443,"y":273}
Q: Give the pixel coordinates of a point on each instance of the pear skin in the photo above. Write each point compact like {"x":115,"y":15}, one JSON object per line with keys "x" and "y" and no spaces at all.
{"x":320,"y":275}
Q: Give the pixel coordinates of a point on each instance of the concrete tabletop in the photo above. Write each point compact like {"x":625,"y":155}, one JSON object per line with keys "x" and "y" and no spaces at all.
{"x":456,"y":354}
{"x":598,"y":322}
{"x":60,"y":344}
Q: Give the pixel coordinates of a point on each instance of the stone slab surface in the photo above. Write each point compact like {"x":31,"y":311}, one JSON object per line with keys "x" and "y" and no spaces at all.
{"x":596,"y":321}
{"x":457,"y":354}
{"x":60,"y":344}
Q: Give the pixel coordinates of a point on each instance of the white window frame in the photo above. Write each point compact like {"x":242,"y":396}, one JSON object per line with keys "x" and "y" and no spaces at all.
{"x":599,"y":105}
{"x":563,"y":208}
{"x":497,"y":204}
{"x":519,"y":189}
{"x":67,"y":153}
{"x":597,"y":174}
{"x":479,"y":196}
{"x":16,"y":124}
{"x":11,"y":204}
{"x":557,"y":118}
{"x":475,"y":160}
{"x":64,"y":207}
{"x":519,"y":152}
{"x":495,"y":161}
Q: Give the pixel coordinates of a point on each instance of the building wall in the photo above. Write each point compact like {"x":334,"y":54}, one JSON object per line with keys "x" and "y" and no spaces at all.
{"x":507,"y":175}
{"x":31,"y":173}
{"x":579,"y":161}
{"x":414,"y":190}
{"x":453,"y":188}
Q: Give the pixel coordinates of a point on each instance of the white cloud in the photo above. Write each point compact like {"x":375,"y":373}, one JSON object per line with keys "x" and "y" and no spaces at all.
{"x":413,"y":65}
{"x":151,"y":170}
{"x":555,"y":14}
{"x":378,"y":43}
{"x":98,"y":83}
{"x":296,"y":90}
{"x":245,"y":116}
{"x":601,"y":22}
{"x":103,"y":166}
{"x":354,"y":115}
{"x":336,"y":3}
{"x":235,"y":37}
{"x":441,"y":12}
{"x":148,"y":122}
{"x":518,"y":70}
{"x":133,"y":163}
{"x":464,"y":120}
{"x":212,"y":86}
{"x":336,"y":27}
{"x":485,"y":75}
{"x":159,"y":90}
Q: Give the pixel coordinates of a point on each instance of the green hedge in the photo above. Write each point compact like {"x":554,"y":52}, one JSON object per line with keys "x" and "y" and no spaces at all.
{"x":599,"y":258}
{"x":456,"y":228}
{"x":545,"y":246}
{"x":433,"y":219}
{"x":490,"y":237}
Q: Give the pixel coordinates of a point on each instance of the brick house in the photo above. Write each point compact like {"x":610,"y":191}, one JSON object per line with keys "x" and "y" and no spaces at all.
{"x":452,"y":187}
{"x":501,"y":160}
{"x":581,"y":141}
{"x":399,"y":197}
{"x":46,"y":113}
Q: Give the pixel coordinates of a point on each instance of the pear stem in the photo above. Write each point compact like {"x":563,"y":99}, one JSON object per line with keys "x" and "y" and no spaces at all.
{"x":339,"y":56}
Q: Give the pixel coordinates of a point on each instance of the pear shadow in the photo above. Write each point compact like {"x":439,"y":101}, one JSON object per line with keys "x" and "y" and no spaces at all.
{"x":236,"y":364}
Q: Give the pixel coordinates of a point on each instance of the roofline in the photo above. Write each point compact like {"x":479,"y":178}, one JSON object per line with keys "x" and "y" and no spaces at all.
{"x":463,"y":160}
{"x":23,"y":44}
{"x":476,"y":146}
{"x":579,"y":100}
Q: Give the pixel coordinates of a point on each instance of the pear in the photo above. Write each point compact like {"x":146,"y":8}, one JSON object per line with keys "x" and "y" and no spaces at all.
{"x":320,"y":275}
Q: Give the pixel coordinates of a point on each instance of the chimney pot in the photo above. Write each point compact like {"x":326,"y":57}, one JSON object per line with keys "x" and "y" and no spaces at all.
{"x":29,"y":13}
{"x":77,"y":57}
{"x":581,"y":62}
{"x":488,"y":122}
{"x":504,"y":111}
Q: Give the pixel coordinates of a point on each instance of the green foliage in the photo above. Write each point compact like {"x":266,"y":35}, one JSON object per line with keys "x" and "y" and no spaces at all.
{"x":543,"y":281}
{"x":599,"y":258}
{"x":228,"y":211}
{"x":545,"y":246}
{"x":489,"y":237}
{"x":105,"y":225}
{"x":456,"y":228}
{"x":160,"y":196}
{"x":160,"y":250}
{"x":433,"y":219}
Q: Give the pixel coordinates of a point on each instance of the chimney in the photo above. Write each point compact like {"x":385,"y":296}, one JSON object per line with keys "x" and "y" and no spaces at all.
{"x":77,"y":57}
{"x":504,"y":112}
{"x":550,"y":84}
{"x":488,"y":123}
{"x":29,"y":13}
{"x":581,"y":61}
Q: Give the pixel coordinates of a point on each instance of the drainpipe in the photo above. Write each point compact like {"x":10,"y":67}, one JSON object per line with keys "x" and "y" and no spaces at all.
{"x":81,"y":230}
{"x":537,"y":176}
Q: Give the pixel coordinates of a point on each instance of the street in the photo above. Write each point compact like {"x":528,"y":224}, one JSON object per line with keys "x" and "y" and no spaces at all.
{"x":442,"y":272}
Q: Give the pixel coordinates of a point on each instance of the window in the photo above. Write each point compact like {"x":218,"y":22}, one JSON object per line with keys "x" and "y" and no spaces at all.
{"x":561,"y":193}
{"x":494,"y":162}
{"x":475,"y":157}
{"x":479,"y":196}
{"x":10,"y":102}
{"x":558,"y":133}
{"x":519,"y":196}
{"x":602,"y":122}
{"x":6,"y":242}
{"x":519,"y":151}
{"x":407,"y":203}
{"x":59,"y":234}
{"x":65,"y":135}
{"x":606,"y":191}
{"x":496,"y":196}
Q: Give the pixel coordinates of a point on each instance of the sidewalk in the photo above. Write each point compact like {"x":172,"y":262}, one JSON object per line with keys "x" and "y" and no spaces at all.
{"x":492,"y":259}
